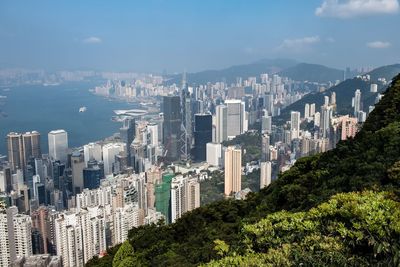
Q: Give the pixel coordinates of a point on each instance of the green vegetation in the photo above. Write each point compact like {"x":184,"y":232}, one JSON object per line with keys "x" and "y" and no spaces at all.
{"x":212,"y":189}
{"x":350,"y":229}
{"x":311,"y":215}
{"x":250,"y":143}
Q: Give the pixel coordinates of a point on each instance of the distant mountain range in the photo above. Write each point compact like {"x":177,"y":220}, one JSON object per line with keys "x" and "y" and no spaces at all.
{"x":312,"y":73}
{"x":344,"y":93}
{"x":284,"y":67}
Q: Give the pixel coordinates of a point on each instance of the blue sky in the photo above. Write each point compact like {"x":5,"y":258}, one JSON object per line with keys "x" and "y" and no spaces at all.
{"x":158,"y":35}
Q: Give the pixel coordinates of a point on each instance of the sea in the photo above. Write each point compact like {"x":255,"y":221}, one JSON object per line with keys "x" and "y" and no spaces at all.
{"x":45,"y":108}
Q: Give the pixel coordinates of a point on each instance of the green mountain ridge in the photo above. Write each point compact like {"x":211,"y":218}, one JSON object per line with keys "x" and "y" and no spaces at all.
{"x":339,"y":208}
{"x":344,"y":93}
{"x":312,"y":73}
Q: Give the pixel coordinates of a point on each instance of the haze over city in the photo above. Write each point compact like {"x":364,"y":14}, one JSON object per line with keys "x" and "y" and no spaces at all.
{"x":158,"y":35}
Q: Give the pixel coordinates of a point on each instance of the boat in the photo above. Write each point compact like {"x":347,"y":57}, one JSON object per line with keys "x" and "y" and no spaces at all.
{"x":82,"y":109}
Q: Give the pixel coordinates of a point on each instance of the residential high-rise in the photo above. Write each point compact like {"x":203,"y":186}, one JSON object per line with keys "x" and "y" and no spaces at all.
{"x":221,"y":120}
{"x":185,"y":196}
{"x":15,"y":235}
{"x":306,"y":111}
{"x":58,"y":145}
{"x":295,"y":124}
{"x":202,"y":135}
{"x":265,"y":142}
{"x":172,"y":127}
{"x":163,"y":196}
{"x":326,"y":116}
{"x":233,"y":170}
{"x":265,"y":174}
{"x":374,"y":88}
{"x":266,"y":124}
{"x":357,"y":102}
{"x":312,"y":109}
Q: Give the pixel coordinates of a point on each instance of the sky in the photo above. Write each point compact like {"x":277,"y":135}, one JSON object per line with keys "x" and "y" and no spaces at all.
{"x":194,"y":35}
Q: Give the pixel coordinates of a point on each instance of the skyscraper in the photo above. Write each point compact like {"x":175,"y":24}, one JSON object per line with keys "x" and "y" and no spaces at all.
{"x":236,"y":117}
{"x":58,"y":145}
{"x":15,"y":235}
{"x":172,"y":127}
{"x":109,"y":153}
{"x":221,"y":119}
{"x":92,"y":151}
{"x":266,"y":124}
{"x":357,"y":102}
{"x":77,"y":165}
{"x":295,"y":124}
{"x":127,"y":134}
{"x":15,"y":151}
{"x":326,"y":116}
{"x":306,"y":111}
{"x":233,"y":170}
{"x":202,"y":135}
{"x":265,"y":174}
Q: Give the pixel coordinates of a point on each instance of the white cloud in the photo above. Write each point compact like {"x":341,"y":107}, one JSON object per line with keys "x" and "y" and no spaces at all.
{"x":299,"y":43}
{"x":92,"y":40}
{"x":378,"y":44}
{"x":353,"y":8}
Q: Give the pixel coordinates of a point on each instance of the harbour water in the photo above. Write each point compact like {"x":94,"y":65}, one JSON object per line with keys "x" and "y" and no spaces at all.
{"x":46,"y":108}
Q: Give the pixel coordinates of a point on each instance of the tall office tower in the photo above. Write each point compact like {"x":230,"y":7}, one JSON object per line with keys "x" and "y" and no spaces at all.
{"x":326,"y":100}
{"x":172,"y":127}
{"x":326,"y":116}
{"x":202,"y":135}
{"x":92,"y":174}
{"x":265,"y":174}
{"x":357,"y":102}
{"x":306,"y":111}
{"x":265,"y":142}
{"x":266,"y":124}
{"x":295,"y":124}
{"x":125,"y":219}
{"x":127,"y":134}
{"x":92,"y":151}
{"x":333,"y":98}
{"x":236,"y":117}
{"x":269,"y":104}
{"x":312,"y":110}
{"x":77,"y":165}
{"x":317,"y":119}
{"x":109,"y":152}
{"x":186,"y":109}
{"x":58,"y":145}
{"x":233,"y":170}
{"x":152,"y":130}
{"x":15,"y":151}
{"x":221,"y":127}
{"x":373,"y":88}
{"x":214,"y":156}
{"x":15,"y":235}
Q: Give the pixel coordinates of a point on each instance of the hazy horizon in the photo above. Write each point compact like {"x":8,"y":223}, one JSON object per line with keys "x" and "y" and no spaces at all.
{"x":157,"y":36}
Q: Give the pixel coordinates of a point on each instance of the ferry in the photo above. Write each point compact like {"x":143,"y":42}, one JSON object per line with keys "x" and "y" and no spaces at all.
{"x":82,"y":109}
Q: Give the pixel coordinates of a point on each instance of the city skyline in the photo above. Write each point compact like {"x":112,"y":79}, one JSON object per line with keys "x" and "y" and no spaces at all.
{"x":157,"y":36}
